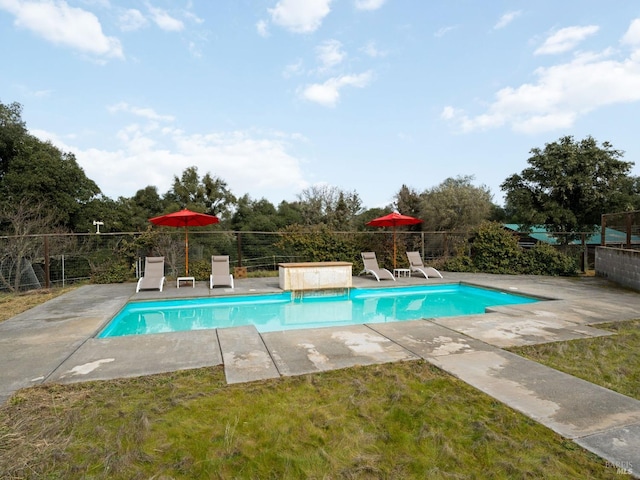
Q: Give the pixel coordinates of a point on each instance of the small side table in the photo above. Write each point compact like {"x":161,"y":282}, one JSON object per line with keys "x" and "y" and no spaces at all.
{"x":401,"y":272}
{"x":186,"y":279}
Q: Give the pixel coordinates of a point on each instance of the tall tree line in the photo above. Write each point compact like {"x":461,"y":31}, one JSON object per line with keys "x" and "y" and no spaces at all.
{"x":567,"y":186}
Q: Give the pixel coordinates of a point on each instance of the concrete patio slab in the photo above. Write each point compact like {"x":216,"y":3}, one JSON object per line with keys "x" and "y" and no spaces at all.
{"x":623,"y":441}
{"x":426,"y":339}
{"x":586,"y":311}
{"x":136,"y":355}
{"x":245,"y":356}
{"x":35,"y":342}
{"x":298,"y":352}
{"x":504,"y":330}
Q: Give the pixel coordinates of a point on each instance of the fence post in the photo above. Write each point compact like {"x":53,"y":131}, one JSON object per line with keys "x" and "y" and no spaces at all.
{"x":63,"y":270}
{"x":585,"y":258}
{"x":47,"y":279}
{"x":629,"y":230}
{"x":239,"y":238}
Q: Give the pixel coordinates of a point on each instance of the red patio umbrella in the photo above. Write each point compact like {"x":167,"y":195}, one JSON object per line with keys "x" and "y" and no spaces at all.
{"x":185,"y":218}
{"x":393,"y":220}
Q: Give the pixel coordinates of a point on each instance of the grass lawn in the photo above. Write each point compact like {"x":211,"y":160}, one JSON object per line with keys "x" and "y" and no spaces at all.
{"x":402,"y":420}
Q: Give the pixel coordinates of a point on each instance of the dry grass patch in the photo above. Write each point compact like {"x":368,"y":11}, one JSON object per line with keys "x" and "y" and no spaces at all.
{"x":11,"y":304}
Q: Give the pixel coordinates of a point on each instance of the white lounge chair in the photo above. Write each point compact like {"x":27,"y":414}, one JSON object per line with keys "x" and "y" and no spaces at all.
{"x":153,"y":277}
{"x":220,"y":276}
{"x":371,"y":266}
{"x":416,"y":265}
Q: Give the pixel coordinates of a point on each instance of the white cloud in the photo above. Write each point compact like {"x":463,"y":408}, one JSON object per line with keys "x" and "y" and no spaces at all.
{"x":328,"y":93}
{"x":565,"y":39}
{"x":300,"y":16}
{"x":262,"y":28}
{"x":165,"y":21}
{"x":632,"y":35}
{"x":561,"y":94}
{"x":194,"y":49}
{"x":371,"y":50}
{"x":444,"y":30}
{"x":256,"y":163}
{"x":192,"y":16}
{"x":330,"y":54}
{"x":61,"y":24}
{"x":369,"y":4}
{"x":131,"y":20}
{"x":450,"y":113}
{"x":293,"y":69}
{"x":506,"y":19}
{"x":147,"y":113}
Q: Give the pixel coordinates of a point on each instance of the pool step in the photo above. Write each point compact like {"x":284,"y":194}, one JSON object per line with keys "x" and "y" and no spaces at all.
{"x":245,"y":355}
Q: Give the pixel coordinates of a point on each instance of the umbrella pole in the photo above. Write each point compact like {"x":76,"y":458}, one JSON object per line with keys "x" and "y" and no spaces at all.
{"x":394,"y":248}
{"x":186,"y":246}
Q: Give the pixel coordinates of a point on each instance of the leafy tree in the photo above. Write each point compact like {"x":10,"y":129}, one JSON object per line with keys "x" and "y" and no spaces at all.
{"x":369,"y":214}
{"x":254,"y":215}
{"x":207,"y":195}
{"x":12,"y":131}
{"x":289,"y":213}
{"x":331,"y":206}
{"x":40,"y":172}
{"x":124,"y":214}
{"x":456,"y":205}
{"x":37,"y":172}
{"x":409,"y":202}
{"x":105,"y":210}
{"x":148,"y":200}
{"x":569,"y":184}
{"x":133,"y":214}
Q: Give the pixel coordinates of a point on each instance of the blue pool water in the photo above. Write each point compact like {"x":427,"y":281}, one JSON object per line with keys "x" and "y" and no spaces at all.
{"x":274,"y":312}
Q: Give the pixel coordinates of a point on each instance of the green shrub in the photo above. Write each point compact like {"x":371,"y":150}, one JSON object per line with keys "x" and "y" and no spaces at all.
{"x":200,"y":269}
{"x":495,"y":250}
{"x":543,"y":259}
{"x":318,"y":243}
{"x":118,"y":272}
{"x":460,"y":262}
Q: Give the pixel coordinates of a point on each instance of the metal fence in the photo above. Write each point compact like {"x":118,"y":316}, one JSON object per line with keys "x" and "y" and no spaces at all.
{"x":44,"y":261}
{"x":621,"y":230}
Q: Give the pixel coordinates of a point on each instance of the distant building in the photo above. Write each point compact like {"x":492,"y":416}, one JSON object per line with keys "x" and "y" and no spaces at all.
{"x":539,"y":234}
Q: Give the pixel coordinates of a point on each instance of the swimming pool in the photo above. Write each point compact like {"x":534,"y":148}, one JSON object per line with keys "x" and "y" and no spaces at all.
{"x":282,"y":311}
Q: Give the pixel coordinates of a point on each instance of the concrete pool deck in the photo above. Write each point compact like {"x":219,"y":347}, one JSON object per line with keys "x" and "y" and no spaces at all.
{"x":55,"y":342}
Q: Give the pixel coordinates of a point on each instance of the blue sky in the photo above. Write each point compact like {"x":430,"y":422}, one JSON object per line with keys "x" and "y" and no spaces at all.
{"x":274,"y":96}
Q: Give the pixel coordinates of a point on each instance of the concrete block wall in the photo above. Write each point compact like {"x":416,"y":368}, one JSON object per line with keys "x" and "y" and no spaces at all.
{"x":619,"y":265}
